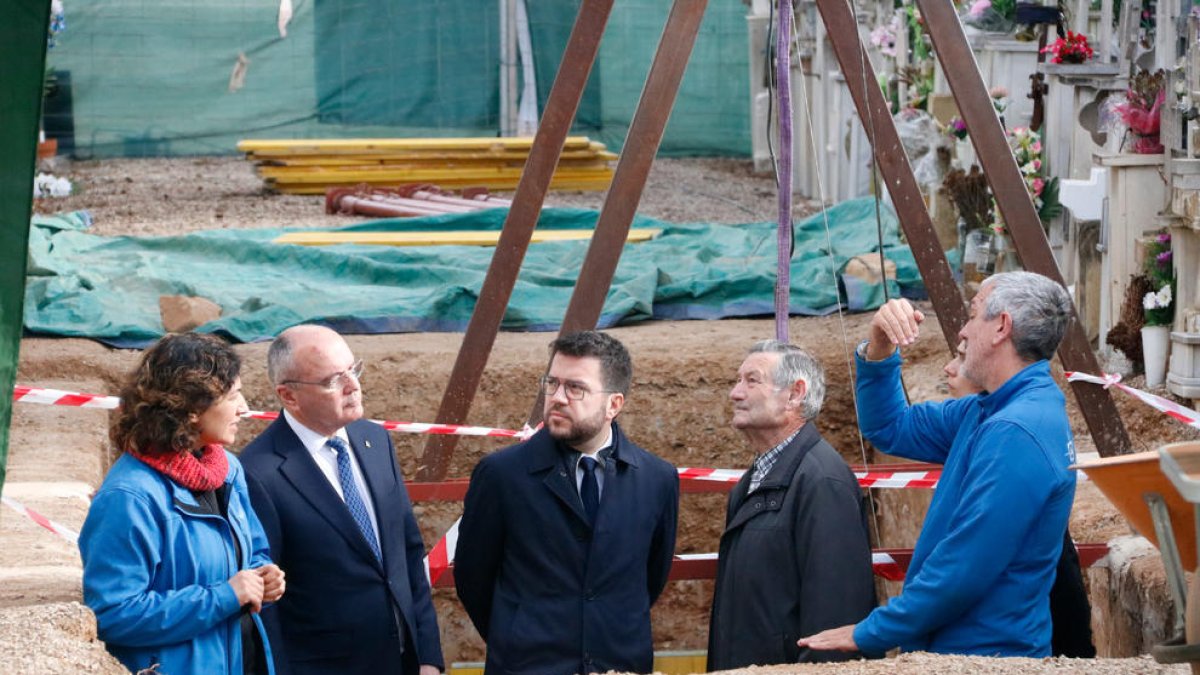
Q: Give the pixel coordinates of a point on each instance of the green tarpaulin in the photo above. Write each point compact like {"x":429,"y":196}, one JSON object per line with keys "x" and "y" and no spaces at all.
{"x":108,"y":288}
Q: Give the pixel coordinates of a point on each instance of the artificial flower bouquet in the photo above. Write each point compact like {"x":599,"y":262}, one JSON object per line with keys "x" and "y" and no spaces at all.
{"x":1073,"y":48}
{"x":1026,"y":145}
{"x":1142,"y":111}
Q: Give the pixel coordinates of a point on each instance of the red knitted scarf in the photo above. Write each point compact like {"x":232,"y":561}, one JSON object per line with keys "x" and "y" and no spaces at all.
{"x":201,"y":474}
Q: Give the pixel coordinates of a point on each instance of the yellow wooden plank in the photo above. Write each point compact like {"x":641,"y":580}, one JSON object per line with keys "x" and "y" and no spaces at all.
{"x":455,"y":238}
{"x":318,"y":175}
{"x":342,"y":145}
{"x":681,"y":662}
{"x":431,"y":159}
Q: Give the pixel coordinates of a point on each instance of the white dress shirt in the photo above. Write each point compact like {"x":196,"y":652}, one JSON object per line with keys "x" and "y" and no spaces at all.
{"x":599,"y":465}
{"x":326,"y":460}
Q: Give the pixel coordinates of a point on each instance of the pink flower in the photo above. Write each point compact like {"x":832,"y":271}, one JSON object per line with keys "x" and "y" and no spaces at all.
{"x":1037,"y":165}
{"x":979,"y":7}
{"x":1038,"y":186}
{"x":1036,"y":147}
{"x":998,"y":92}
{"x":1164,"y":238}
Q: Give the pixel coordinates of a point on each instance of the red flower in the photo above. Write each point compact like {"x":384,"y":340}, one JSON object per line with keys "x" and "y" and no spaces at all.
{"x":1073,"y":48}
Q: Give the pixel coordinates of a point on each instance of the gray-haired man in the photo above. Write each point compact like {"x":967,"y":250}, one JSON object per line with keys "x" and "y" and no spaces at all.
{"x":984,"y":563}
{"x":795,"y":557}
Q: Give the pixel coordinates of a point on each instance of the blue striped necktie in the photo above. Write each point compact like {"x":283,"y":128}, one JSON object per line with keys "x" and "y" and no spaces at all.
{"x":350,"y":493}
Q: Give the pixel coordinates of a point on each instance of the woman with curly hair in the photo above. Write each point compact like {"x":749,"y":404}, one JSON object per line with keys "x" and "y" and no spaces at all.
{"x":175,"y":562}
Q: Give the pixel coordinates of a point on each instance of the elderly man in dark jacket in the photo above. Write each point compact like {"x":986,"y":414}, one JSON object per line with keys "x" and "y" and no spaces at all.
{"x":566,"y":539}
{"x":795,"y":556}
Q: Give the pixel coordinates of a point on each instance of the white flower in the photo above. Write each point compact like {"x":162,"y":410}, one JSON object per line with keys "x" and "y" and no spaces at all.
{"x":1157,"y":300}
{"x":1164,"y":296}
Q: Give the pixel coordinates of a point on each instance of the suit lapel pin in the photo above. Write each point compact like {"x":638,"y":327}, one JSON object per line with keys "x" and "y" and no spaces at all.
{"x":367,"y":443}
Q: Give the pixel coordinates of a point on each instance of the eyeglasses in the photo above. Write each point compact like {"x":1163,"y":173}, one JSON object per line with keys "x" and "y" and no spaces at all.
{"x":337,"y":380}
{"x":574,"y":390}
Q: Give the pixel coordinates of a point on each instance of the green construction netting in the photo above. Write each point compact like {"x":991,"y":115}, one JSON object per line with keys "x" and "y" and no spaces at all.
{"x":136,"y":78}
{"x":108,"y":288}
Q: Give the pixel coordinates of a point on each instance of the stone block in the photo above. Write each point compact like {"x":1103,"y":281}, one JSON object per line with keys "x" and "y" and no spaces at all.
{"x":181,"y":313}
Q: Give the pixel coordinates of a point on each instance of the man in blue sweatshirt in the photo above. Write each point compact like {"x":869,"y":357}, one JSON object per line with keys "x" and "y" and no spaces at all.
{"x":983,"y":566}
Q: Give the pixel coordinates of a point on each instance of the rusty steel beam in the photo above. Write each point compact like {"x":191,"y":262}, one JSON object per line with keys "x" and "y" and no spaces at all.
{"x":894,"y":168}
{"x":633,"y":167}
{"x":1008,"y":187}
{"x":561,"y":106}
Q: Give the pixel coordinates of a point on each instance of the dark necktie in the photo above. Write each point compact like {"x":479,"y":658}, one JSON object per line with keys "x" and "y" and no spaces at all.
{"x":589,"y":489}
{"x":351,"y":495}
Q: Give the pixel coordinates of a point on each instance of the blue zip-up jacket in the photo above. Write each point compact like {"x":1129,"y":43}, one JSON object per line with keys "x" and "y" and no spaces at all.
{"x":979,"y":581}
{"x":156,"y":570}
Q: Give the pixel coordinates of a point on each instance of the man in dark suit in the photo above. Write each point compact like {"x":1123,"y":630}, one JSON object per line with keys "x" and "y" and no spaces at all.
{"x":566,"y":539}
{"x":794,"y":557}
{"x":326,"y":486}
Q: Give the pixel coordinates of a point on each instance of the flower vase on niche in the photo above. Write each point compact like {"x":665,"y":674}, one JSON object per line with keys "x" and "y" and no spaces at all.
{"x":1159,"y":309}
{"x":1155,"y":341}
{"x":1005,"y":253}
{"x":978,"y":257}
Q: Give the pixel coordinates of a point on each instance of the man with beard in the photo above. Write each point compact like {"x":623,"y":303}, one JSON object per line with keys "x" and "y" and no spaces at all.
{"x":566,"y":539}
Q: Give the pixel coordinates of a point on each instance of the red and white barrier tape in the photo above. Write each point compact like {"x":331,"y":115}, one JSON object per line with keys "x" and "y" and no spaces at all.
{"x":57,"y":397}
{"x":441,"y":555}
{"x":866,"y":478}
{"x":716,"y":475}
{"x":1170,"y":408}
{"x":898,"y":479}
{"x":882,"y":562}
{"x":73,"y":399}
{"x":62,"y":531}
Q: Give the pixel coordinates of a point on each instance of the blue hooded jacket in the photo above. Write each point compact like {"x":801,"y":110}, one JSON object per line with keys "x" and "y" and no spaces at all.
{"x":156,"y":570}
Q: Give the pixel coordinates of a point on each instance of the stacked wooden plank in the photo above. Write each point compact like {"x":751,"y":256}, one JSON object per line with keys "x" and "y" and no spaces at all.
{"x":313,"y":166}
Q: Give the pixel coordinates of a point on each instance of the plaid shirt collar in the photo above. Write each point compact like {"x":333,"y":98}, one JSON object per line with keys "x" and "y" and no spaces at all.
{"x":766,"y":461}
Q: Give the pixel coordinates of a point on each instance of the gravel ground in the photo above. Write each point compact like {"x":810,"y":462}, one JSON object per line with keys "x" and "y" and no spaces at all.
{"x":935,"y":664}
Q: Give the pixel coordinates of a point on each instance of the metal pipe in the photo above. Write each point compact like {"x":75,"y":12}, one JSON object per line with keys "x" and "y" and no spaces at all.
{"x":367,"y":207}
